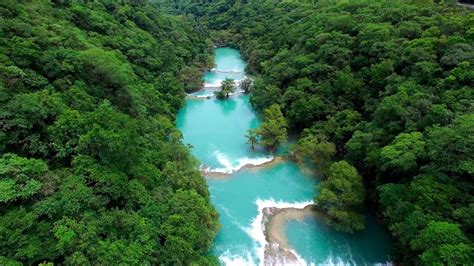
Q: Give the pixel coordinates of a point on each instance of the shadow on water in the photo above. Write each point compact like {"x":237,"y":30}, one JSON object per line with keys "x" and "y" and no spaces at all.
{"x":227,"y":105}
{"x":322,"y":244}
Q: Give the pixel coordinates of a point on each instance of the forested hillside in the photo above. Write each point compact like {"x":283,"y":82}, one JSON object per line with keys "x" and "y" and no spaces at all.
{"x":384,"y":86}
{"x":92,"y":168}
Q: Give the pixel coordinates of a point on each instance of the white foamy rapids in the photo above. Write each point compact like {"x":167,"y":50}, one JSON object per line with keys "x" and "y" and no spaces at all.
{"x":337,"y":261}
{"x":228,"y":167}
{"x":204,"y":96}
{"x":332,"y":261}
{"x":238,"y":92}
{"x":227,"y":71}
{"x":257,"y":228}
{"x":217,"y":83}
{"x":229,"y":259}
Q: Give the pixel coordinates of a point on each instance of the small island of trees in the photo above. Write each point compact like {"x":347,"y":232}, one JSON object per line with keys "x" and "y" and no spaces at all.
{"x":227,"y":87}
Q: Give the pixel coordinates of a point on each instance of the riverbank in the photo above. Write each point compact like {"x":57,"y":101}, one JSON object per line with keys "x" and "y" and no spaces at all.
{"x":277,"y":249}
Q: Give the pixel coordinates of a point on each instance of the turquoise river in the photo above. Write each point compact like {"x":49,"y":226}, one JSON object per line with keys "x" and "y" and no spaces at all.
{"x":216,"y":129}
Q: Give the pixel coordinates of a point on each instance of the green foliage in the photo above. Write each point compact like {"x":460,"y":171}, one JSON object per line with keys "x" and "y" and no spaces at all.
{"x":403,"y":153}
{"x":9,"y":262}
{"x":191,"y":77}
{"x":20,"y":178}
{"x":341,"y":125}
{"x":246,"y":85}
{"x":227,"y":87}
{"x":92,"y":168}
{"x":263,"y":96}
{"x":443,"y":243}
{"x":403,"y":205}
{"x":317,"y":149}
{"x":450,"y":148}
{"x":272,"y":131}
{"x":341,"y":194}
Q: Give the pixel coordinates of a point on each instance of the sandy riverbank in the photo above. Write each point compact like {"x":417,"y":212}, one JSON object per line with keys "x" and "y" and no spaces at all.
{"x":277,"y":250}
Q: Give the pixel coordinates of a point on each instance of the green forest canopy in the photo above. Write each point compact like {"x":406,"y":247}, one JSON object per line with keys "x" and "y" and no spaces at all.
{"x":92,"y":168}
{"x":384,"y":86}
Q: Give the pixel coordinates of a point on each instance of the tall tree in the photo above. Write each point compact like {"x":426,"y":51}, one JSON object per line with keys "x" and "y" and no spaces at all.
{"x":341,"y":195}
{"x":443,"y":243}
{"x":272,"y":132}
{"x":317,"y":149}
{"x":246,"y":85}
{"x":227,"y":87}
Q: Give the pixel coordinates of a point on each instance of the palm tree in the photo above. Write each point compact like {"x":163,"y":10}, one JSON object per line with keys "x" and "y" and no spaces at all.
{"x":252,"y":138}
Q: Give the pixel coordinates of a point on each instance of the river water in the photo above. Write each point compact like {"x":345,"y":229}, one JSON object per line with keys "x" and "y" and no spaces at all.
{"x":216,"y":129}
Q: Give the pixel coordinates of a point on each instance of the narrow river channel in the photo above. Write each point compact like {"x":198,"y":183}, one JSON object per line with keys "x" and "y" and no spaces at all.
{"x":248,"y":197}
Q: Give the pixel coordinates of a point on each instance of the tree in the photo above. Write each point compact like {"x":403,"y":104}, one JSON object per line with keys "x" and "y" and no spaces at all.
{"x":20,"y":178}
{"x":191,"y":78}
{"x":246,"y":85}
{"x":306,"y":110}
{"x":450,"y":148}
{"x":341,"y":195}
{"x":317,"y":149}
{"x":402,"y":154}
{"x":227,"y":87}
{"x":340,"y":127}
{"x":264,"y":95}
{"x":252,"y":137}
{"x":409,"y":207}
{"x":443,"y":243}
{"x":272,"y":131}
